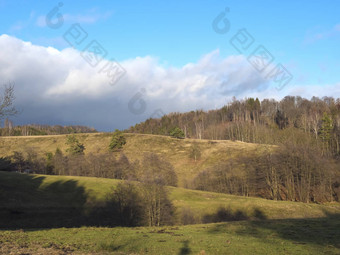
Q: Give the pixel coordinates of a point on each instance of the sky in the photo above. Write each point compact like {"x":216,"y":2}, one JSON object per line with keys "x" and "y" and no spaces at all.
{"x":112,"y":64}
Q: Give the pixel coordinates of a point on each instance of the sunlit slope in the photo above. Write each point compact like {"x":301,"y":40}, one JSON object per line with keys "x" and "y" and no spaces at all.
{"x":176,"y":151}
{"x":42,"y":191}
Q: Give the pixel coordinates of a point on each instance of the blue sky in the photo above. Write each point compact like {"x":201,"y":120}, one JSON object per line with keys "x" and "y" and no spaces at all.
{"x":166,"y":37}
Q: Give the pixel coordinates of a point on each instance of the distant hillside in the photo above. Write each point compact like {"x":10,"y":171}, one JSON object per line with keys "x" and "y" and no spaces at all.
{"x":288,"y":172}
{"x":176,"y":151}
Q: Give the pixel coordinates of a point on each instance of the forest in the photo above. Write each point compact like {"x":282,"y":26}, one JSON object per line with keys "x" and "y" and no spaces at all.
{"x":9,"y":129}
{"x":315,"y":122}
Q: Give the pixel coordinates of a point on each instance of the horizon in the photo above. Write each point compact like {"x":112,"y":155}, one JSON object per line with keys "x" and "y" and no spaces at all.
{"x":169,"y":57}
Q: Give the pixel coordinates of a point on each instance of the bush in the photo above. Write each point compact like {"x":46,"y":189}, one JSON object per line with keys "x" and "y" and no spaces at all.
{"x":177,"y":133}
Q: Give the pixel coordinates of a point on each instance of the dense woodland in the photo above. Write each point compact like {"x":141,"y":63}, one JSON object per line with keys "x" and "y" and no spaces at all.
{"x":27,"y":130}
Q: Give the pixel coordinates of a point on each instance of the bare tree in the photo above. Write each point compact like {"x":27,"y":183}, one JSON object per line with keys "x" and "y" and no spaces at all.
{"x":6,"y":101}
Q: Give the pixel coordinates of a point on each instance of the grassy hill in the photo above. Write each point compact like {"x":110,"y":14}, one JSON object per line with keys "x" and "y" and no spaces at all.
{"x":289,"y":227}
{"x":46,"y":195}
{"x":176,"y":151}
{"x":31,"y":202}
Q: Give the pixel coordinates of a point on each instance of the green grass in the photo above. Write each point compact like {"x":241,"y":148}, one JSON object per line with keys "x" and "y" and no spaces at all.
{"x":31,"y":202}
{"x":308,"y":236}
{"x":290,"y":227}
{"x":176,"y":151}
{"x":39,"y":193}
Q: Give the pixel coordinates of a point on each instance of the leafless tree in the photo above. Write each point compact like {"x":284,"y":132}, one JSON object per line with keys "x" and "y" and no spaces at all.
{"x":6,"y":101}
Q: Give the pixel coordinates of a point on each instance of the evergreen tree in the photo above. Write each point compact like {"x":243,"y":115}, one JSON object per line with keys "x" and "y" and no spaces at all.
{"x":177,"y":132}
{"x":281,"y":120}
{"x":325,"y":132}
{"x":75,"y":147}
{"x":118,"y":140}
{"x":326,"y":128}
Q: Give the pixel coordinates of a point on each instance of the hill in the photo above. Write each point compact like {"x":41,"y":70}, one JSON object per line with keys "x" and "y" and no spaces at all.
{"x":176,"y":151}
{"x":33,"y":200}
{"x":29,"y":198}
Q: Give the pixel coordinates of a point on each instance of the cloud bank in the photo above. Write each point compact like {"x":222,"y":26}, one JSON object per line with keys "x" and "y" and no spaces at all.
{"x":60,"y":87}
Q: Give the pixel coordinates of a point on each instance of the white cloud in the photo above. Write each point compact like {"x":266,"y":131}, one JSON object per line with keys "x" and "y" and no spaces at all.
{"x":60,"y":87}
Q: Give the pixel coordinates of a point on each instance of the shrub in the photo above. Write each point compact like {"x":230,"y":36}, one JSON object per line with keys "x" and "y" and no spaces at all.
{"x":177,"y":132}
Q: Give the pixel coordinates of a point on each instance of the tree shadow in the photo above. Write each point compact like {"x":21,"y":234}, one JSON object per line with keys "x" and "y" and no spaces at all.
{"x":227,"y":214}
{"x":320,"y":231}
{"x":27,"y":202}
{"x":185,"y":249}
{"x":6,"y":164}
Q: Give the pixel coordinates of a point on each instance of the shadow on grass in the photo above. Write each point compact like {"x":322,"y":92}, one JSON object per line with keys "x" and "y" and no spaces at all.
{"x":28,"y":203}
{"x":111,"y":247}
{"x":5,"y":164}
{"x":185,"y":249}
{"x":321,"y":231}
{"x":227,"y":214}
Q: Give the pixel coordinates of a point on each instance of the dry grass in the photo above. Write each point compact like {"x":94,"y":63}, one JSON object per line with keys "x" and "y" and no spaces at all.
{"x":174,"y":150}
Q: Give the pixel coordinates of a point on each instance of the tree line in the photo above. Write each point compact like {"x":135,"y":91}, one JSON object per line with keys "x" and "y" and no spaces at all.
{"x":104,"y":165}
{"x":9,"y":129}
{"x":266,"y":122}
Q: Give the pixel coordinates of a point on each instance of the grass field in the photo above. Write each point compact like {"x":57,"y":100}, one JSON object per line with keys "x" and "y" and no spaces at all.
{"x":303,"y":236}
{"x":41,"y":214}
{"x":40,"y":193}
{"x":176,"y":151}
{"x":30,"y":200}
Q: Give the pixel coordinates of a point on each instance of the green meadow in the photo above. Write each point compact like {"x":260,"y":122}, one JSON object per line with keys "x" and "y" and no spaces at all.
{"x":269,"y":227}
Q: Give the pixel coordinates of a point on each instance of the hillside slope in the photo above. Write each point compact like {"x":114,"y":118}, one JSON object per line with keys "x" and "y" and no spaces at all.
{"x":29,"y":198}
{"x":176,"y":151}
